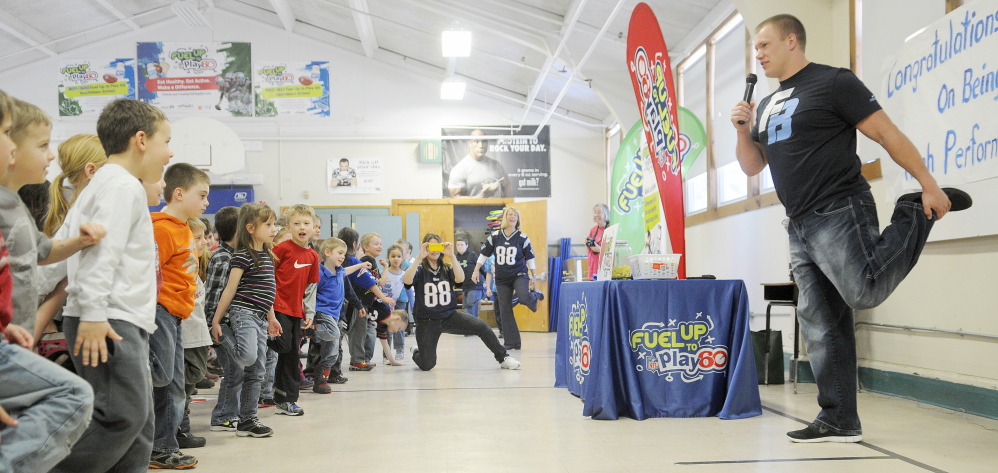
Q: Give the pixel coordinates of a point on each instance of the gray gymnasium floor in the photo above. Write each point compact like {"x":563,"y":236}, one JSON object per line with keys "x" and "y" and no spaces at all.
{"x":467,"y":415}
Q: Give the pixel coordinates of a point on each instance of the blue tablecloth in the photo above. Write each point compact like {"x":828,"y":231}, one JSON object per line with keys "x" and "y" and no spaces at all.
{"x":657,"y":349}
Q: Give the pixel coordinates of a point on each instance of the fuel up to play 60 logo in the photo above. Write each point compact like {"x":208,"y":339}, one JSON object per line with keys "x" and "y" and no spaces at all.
{"x":680,"y":347}
{"x":578,"y":330}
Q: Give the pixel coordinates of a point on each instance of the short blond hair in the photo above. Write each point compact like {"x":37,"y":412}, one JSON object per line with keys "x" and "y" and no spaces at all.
{"x":402,"y":319}
{"x":330,"y":244}
{"x":25,"y":115}
{"x":364,"y":240}
{"x":300,"y":209}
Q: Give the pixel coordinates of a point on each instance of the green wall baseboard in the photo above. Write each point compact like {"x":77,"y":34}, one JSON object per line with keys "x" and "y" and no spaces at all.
{"x":959,"y":397}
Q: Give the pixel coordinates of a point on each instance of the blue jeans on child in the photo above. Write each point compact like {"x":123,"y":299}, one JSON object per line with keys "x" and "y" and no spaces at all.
{"x":269,"y":370}
{"x":327,"y":332}
{"x":471,"y":299}
{"x":51,"y":405}
{"x":842,"y":262}
{"x":244,"y":341}
{"x":166,"y":361}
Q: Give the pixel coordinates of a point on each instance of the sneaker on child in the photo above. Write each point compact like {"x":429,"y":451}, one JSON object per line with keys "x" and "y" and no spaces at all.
{"x":305,"y":384}
{"x":267,"y":402}
{"x":253,"y":428}
{"x":814,"y":434}
{"x":227,"y":426}
{"x":361,"y":366}
{"x":189,"y":440}
{"x":289,"y":409}
{"x":171,"y":461}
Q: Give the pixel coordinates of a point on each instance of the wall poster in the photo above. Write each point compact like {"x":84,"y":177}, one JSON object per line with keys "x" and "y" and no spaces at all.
{"x":209,"y":78}
{"x":503,"y":162}
{"x":291,"y":88}
{"x":86,"y":85}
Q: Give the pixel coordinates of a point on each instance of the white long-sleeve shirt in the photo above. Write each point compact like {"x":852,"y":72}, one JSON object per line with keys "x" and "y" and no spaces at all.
{"x":116,"y":278}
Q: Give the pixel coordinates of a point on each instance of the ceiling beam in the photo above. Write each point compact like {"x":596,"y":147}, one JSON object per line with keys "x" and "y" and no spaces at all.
{"x":365,"y":27}
{"x":285,"y":13}
{"x":25,"y":32}
{"x":117,"y":13}
{"x":574,"y":10}
{"x":582,"y":63}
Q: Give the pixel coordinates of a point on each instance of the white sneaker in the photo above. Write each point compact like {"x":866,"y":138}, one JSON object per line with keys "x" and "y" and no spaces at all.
{"x":510,"y":363}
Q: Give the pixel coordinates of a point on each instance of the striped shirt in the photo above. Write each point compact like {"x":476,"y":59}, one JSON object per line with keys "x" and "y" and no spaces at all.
{"x":257,"y":287}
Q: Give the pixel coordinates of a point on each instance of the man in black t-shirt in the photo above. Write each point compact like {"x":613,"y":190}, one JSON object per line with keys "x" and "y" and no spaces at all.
{"x":806,"y":133}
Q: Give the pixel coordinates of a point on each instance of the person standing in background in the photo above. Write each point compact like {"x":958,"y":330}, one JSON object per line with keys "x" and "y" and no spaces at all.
{"x":601,"y":215}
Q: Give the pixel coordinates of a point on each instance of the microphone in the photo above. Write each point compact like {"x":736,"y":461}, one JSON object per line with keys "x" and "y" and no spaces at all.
{"x":750,"y":81}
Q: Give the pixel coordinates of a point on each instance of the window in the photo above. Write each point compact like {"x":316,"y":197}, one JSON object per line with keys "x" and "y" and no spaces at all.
{"x":711,"y":80}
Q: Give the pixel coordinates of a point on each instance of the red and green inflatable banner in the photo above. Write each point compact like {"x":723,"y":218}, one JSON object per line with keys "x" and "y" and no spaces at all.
{"x":651,"y":75}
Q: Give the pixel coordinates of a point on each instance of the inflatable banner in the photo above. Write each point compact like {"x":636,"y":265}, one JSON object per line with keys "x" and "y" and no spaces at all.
{"x":651,"y":76}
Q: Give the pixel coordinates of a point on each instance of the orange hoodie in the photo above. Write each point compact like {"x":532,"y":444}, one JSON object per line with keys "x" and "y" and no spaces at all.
{"x":179,"y":263}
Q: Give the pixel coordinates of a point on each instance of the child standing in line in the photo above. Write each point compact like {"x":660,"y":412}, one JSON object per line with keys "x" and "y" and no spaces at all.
{"x":331,"y":292}
{"x":79,"y":158}
{"x":367,"y":289}
{"x":407,"y":260}
{"x":436,"y":307}
{"x":370,"y":247}
{"x":216,"y":278}
{"x":472,"y":289}
{"x":44,"y":409}
{"x":186,"y":194}
{"x":514,"y":271}
{"x":391,"y":281}
{"x":31,"y":131}
{"x":297,"y":273}
{"x":111,"y":306}
{"x":248,"y":301}
{"x":196,"y":337}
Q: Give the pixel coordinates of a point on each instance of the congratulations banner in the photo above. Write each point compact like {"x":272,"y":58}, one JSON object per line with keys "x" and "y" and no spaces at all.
{"x":292,"y":89}
{"x":941,"y":89}
{"x":86,"y":85}
{"x":651,"y":76}
{"x":213,"y":78}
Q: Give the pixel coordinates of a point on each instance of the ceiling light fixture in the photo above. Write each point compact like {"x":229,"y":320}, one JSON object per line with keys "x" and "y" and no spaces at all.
{"x":456,"y":43}
{"x":452,"y":89}
{"x":189,"y":14}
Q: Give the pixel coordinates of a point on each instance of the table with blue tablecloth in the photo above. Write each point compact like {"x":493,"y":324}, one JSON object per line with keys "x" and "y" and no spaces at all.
{"x":665,"y":348}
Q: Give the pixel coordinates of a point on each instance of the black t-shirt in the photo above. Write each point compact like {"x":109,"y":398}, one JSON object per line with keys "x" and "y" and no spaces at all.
{"x":807,"y":129}
{"x":511,"y":253}
{"x":257,"y":286}
{"x":434,"y":293}
{"x":468,"y":260}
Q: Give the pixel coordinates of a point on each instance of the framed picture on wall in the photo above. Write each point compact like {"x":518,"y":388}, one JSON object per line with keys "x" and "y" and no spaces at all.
{"x":496,"y":162}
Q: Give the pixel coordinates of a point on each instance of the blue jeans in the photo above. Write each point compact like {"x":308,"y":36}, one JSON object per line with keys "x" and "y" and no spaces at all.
{"x":244,"y":342}
{"x":471,"y":299}
{"x":52,"y":407}
{"x":842,"y":262}
{"x":327,"y":332}
{"x":166,"y":360}
{"x":269,"y":371}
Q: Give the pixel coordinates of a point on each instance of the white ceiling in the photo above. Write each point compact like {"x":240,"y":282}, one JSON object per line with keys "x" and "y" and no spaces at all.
{"x":514,"y":40}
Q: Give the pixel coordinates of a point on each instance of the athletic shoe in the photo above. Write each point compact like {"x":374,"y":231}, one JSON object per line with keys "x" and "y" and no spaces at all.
{"x":361,"y":366}
{"x":190,"y":441}
{"x":253,"y":428}
{"x":205,"y":383}
{"x":399,"y":354}
{"x":289,"y":409}
{"x":266,"y":402}
{"x":227,"y":426}
{"x":338,"y":379}
{"x":510,"y":363}
{"x":539,"y":294}
{"x":959,"y":199}
{"x":305,"y":384}
{"x":171,"y":461}
{"x":814,"y":434}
